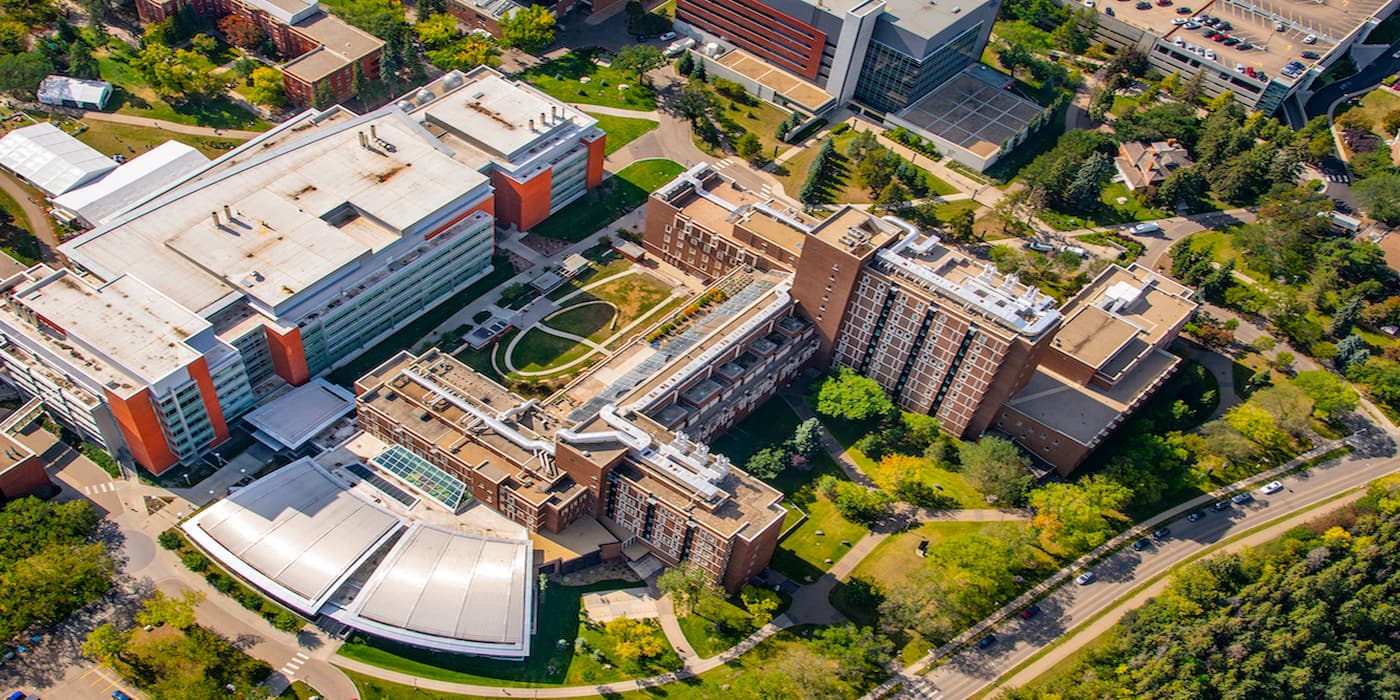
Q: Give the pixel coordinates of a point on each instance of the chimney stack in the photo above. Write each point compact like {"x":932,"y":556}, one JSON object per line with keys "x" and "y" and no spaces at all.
{"x":372,"y":135}
{"x":542,"y":120}
{"x":364,"y":142}
{"x":215,"y":216}
{"x":532,"y":125}
{"x":228,"y":216}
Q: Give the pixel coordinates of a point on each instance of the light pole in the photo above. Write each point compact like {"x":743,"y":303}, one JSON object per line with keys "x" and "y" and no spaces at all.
{"x":187,"y":480}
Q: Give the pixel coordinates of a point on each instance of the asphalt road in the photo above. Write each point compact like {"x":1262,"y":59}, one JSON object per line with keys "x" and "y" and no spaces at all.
{"x":1364,"y":80}
{"x":973,"y":669}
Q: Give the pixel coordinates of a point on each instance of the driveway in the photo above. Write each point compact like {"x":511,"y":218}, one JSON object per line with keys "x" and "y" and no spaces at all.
{"x":1321,"y":102}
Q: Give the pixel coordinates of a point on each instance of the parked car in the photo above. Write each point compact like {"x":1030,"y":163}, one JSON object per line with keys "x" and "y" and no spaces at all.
{"x":1278,"y":27}
{"x":1313,"y":55}
{"x":1178,"y":21}
{"x":1191,"y":25}
{"x":986,"y":641}
{"x":1041,"y":246}
{"x":1245,"y":46}
{"x":1240,"y":499}
{"x":1030,"y":612}
{"x":1310,"y":39}
{"x":1145,"y":227}
{"x":1224,"y":26}
{"x":1230,"y":41}
{"x":1220,"y":506}
{"x":1085,"y":578}
{"x":119,"y":695}
{"x":1195,"y":516}
{"x":1141,"y":545}
{"x":1210,"y":54}
{"x":1271,"y":487}
{"x":1143,"y":5}
{"x":667,"y":36}
{"x":1183,"y":10}
{"x":1161,"y":533}
{"x":17,"y":695}
{"x":1076,"y":250}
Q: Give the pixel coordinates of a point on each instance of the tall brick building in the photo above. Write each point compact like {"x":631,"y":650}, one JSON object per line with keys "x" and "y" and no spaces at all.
{"x":323,"y":49}
{"x":944,"y":334}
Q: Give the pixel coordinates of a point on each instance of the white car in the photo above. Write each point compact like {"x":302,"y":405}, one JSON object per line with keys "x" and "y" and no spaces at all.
{"x":1310,"y":39}
{"x":1210,"y":54}
{"x":1085,"y":578}
{"x":1239,"y":67}
{"x":1271,"y":487}
{"x":1088,"y":3}
{"x":667,"y":36}
{"x":1041,"y":246}
{"x":1145,"y":227}
{"x":1179,"y":41}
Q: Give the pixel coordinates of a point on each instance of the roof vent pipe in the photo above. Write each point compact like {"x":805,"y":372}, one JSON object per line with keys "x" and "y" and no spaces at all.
{"x":372,"y":135}
{"x":215,"y":216}
{"x":228,"y":216}
{"x":532,"y":125}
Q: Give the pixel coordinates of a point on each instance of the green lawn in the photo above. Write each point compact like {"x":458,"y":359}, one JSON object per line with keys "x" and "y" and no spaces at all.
{"x":721,"y":682}
{"x":844,"y":188}
{"x":1108,"y":213}
{"x":952,"y":485}
{"x":539,"y":351}
{"x":948,"y":210}
{"x":414,"y":332}
{"x":803,"y":553}
{"x":760,"y":118}
{"x":1374,"y":106}
{"x":584,"y":320}
{"x":133,"y":140}
{"x":615,"y":264}
{"x":633,"y":296}
{"x":622,"y":130}
{"x":619,"y":194}
{"x":560,"y":79}
{"x":549,"y":664}
{"x":133,"y":96}
{"x":716,"y":625}
{"x":16,"y":234}
{"x":894,"y":559}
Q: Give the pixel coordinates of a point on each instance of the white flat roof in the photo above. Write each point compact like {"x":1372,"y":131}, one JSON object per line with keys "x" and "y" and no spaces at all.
{"x":453,"y":591}
{"x":142,"y":334}
{"x":298,"y":533}
{"x":299,"y":415}
{"x":301,"y":213}
{"x":56,"y":89}
{"x":51,"y":159}
{"x":132,"y":182}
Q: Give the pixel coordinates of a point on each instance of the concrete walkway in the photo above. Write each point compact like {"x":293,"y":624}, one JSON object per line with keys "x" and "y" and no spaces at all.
{"x":693,"y":667}
{"x":161,"y":124}
{"x":833,"y":447}
{"x":39,"y":223}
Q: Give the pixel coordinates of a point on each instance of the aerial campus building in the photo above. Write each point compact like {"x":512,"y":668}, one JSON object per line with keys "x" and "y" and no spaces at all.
{"x":281,"y":260}
{"x":944,"y":334}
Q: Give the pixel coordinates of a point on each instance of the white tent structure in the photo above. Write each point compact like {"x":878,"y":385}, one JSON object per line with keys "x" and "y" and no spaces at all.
{"x":135,"y":181}
{"x":50,"y":159}
{"x":63,"y":91}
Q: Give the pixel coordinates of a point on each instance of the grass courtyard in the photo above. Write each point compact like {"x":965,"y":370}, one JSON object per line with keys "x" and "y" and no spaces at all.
{"x":562,"y":78}
{"x":622,"y":130}
{"x":552,"y":661}
{"x":132,"y":140}
{"x":618,"y":195}
{"x":803,"y":553}
{"x":135,"y":97}
{"x":721,"y":682}
{"x":843,"y":188}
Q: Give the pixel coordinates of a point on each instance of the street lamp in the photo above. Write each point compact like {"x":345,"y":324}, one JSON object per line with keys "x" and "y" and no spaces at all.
{"x":187,"y":479}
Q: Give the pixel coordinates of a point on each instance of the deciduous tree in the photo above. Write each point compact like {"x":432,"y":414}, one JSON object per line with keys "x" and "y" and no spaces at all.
{"x":530,"y":28}
{"x":850,"y":396}
{"x":997,"y":467}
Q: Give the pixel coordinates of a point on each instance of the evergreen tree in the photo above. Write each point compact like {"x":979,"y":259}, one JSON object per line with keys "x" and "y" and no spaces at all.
{"x":699,"y":72}
{"x":81,"y":64}
{"x":686,"y":64}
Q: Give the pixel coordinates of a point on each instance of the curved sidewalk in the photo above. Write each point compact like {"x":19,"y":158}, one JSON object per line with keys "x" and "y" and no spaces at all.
{"x":692,"y":668}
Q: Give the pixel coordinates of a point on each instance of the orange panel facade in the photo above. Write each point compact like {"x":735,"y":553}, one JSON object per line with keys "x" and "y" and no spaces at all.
{"x":199,"y":372}
{"x":488,"y":205}
{"x":136,"y":416}
{"x":522,"y":204}
{"x":288,"y":355}
{"x":596,"y":153}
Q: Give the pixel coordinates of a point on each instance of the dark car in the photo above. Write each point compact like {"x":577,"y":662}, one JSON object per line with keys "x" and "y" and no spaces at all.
{"x":1220,"y":506}
{"x":119,"y":695}
{"x":1209,"y":33}
{"x":1231,"y":41}
{"x":1209,"y":21}
{"x":986,"y":641}
{"x":1183,"y":10}
{"x":1224,"y":26}
{"x":1310,"y":55}
{"x":1196,"y":516}
{"x":1245,"y":46}
{"x":1141,"y":545}
{"x":1143,"y":5}
{"x":1161,"y":533}
{"x":1030,"y":612}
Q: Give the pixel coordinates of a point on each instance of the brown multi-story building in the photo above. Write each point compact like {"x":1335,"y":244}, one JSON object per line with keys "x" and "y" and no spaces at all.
{"x":324,"y":50}
{"x":1108,"y":357}
{"x":632,"y":455}
{"x":946,"y":335}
